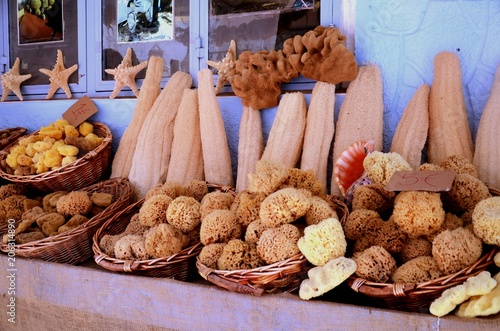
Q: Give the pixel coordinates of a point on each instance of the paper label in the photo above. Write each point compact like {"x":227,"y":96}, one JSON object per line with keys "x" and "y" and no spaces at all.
{"x":80,"y":111}
{"x":421,"y":181}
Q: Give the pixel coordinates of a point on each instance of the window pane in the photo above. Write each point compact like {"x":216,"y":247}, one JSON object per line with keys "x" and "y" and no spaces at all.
{"x":259,"y":24}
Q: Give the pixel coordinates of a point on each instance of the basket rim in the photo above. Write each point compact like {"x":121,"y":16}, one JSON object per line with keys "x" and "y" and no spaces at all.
{"x":71,"y":234}
{"x":70,"y":167}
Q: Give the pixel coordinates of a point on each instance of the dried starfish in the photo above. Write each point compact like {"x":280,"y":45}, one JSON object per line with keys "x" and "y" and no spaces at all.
{"x":59,"y":76}
{"x":225,"y":67}
{"x":125,"y":74}
{"x":11,"y":81}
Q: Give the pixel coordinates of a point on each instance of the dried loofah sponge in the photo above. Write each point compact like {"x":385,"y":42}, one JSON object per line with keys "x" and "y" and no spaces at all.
{"x":210,"y":253}
{"x":278,"y":244}
{"x":418,"y":270}
{"x":375,"y":264}
{"x":322,"y":279}
{"x":380,"y":166}
{"x":220,"y":226}
{"x":418,"y":213}
{"x":456,"y":249}
{"x":323,"y":242}
{"x":284,"y":206}
{"x":486,"y":220}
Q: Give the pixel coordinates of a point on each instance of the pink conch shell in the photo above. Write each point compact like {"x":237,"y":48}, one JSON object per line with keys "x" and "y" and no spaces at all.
{"x":349,"y":166}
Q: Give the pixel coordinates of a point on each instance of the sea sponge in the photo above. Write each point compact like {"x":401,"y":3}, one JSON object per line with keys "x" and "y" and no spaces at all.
{"x":173,"y":189}
{"x":459,"y":164}
{"x":482,"y":305}
{"x":67,"y":150}
{"x":464,"y":194}
{"x":284,"y":206}
{"x":414,"y":248}
{"x":50,"y":223}
{"x":320,"y":54}
{"x":73,"y":203}
{"x":184,"y":213}
{"x":72,"y":223}
{"x":135,"y":227}
{"x":215,"y":200}
{"x":361,"y":221}
{"x":85,"y":128}
{"x":486,"y":220}
{"x":319,"y":210}
{"x":267,"y":178}
{"x":123,"y":246}
{"x":220,"y":226}
{"x":12,"y":207}
{"x":238,"y":255}
{"x":10,"y":189}
{"x":254,"y":231}
{"x":157,"y":189}
{"x":374,"y":197}
{"x":429,"y":167}
{"x":154,"y":210}
{"x":278,"y":244}
{"x":246,"y":206}
{"x":303,"y":179}
{"x":380,"y":166}
{"x":164,"y":240}
{"x":451,"y":222}
{"x":196,"y":189}
{"x":375,"y":264}
{"x":107,"y":243}
{"x":26,"y":237}
{"x":390,"y":237}
{"x":322,"y":279}
{"x":323,"y":242}
{"x":418,"y":270}
{"x":101,"y":199}
{"x":456,"y":249}
{"x":210,"y":253}
{"x":418,"y":213}
{"x":257,"y":77}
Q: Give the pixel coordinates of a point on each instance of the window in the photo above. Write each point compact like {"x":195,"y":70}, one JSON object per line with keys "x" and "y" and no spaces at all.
{"x":97,"y":34}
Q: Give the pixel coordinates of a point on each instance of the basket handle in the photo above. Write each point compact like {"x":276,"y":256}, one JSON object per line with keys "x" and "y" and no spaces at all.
{"x":234,"y":287}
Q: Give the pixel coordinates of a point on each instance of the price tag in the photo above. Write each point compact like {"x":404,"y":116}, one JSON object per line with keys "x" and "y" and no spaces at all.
{"x":421,"y":181}
{"x":80,"y":111}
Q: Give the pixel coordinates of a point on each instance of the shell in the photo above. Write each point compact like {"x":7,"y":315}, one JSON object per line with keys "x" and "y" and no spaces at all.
{"x":349,"y":166}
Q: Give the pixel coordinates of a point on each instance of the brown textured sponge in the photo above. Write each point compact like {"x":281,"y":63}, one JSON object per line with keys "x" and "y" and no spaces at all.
{"x":278,"y":244}
{"x":220,"y":226}
{"x":486,"y":220}
{"x":375,"y":264}
{"x":284,"y":206}
{"x":417,"y":270}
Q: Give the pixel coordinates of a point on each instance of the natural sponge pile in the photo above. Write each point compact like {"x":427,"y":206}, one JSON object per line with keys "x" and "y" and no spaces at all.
{"x":486,"y":220}
{"x":323,"y":242}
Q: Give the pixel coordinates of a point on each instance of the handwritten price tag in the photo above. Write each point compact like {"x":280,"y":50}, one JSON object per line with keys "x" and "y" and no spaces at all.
{"x":421,"y":181}
{"x":80,"y":111}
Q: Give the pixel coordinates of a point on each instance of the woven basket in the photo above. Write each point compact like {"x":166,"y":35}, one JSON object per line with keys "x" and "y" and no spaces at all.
{"x":85,"y":171}
{"x":283,"y":276}
{"x":181,"y":266}
{"x":8,"y":136}
{"x":418,"y":297}
{"x":75,"y":246}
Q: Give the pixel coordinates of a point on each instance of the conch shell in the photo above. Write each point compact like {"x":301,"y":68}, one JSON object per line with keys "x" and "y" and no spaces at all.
{"x":349,"y":166}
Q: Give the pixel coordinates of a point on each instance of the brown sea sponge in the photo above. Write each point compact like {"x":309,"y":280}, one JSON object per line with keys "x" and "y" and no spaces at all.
{"x":380,"y":166}
{"x":464,"y":194}
{"x":361,"y":221}
{"x":123,"y":248}
{"x":220,"y":226}
{"x":49,"y":201}
{"x":101,"y":199}
{"x":173,"y":189}
{"x":284,"y":206}
{"x":486,"y":220}
{"x":157,"y":189}
{"x":184,"y":213}
{"x":196,"y":189}
{"x":456,"y":249}
{"x":238,"y":255}
{"x":73,"y":203}
{"x":10,"y":189}
{"x":319,"y":210}
{"x":451,"y":222}
{"x":164,"y":240}
{"x":107,"y":243}
{"x":414,"y":248}
{"x":254,"y":231}
{"x":374,"y":197}
{"x":418,"y":213}
{"x":135,"y":227}
{"x":459,"y":164}
{"x":72,"y":223}
{"x":375,"y":264}
{"x":26,"y":237}
{"x":320,"y":54}
{"x":246,"y":206}
{"x":257,"y":77}
{"x":210,"y":253}
{"x":279,"y":243}
{"x":12,"y":207}
{"x":303,"y":179}
{"x":390,"y":237}
{"x":417,"y":270}
{"x":215,"y":200}
{"x":429,"y":167}
{"x":154,"y":210}
{"x":267,"y":178}
{"x":50,"y":223}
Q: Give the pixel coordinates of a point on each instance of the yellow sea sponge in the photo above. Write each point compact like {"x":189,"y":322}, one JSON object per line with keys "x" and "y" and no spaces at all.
{"x":380,"y":166}
{"x":71,"y":131}
{"x":60,"y":124}
{"x":50,"y":131}
{"x":67,"y":150}
{"x":52,"y":159}
{"x":85,"y":128}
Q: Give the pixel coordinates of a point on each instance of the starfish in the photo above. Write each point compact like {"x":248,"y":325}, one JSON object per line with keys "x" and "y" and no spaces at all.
{"x":225,"y":67}
{"x":125,"y":74}
{"x":11,"y":81}
{"x":59,"y":76}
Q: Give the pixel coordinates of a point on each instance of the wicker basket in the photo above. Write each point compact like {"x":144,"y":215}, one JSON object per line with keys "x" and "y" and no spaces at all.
{"x":75,"y":246}
{"x":85,"y":171}
{"x":8,"y":136}
{"x":181,"y":266}
{"x":283,"y":276}
{"x":418,"y":297}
